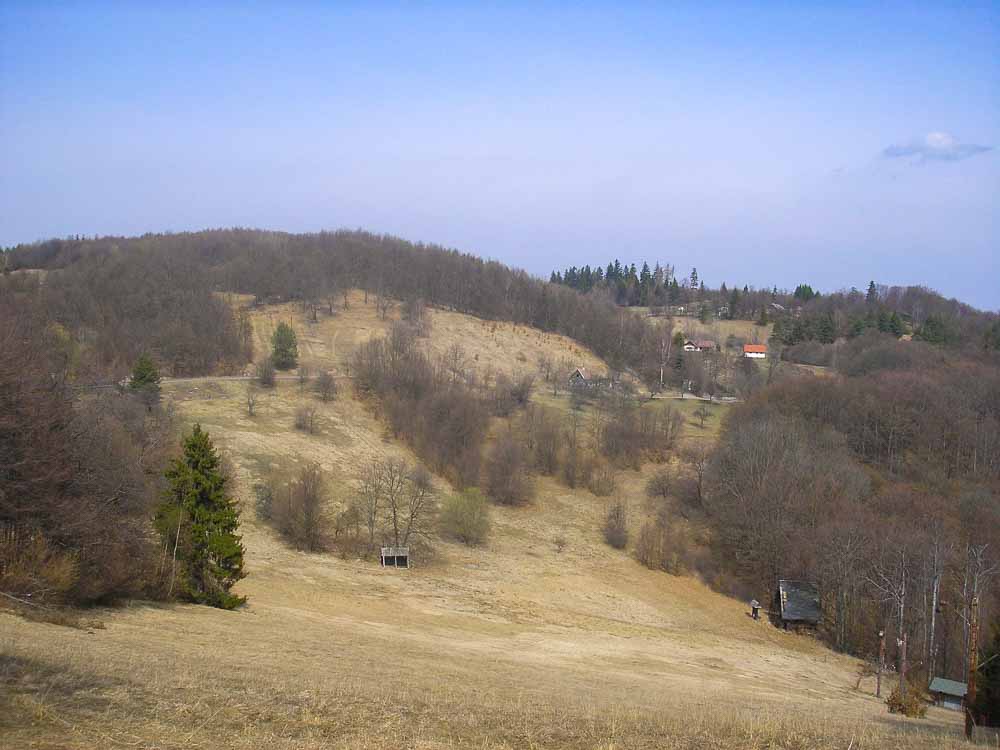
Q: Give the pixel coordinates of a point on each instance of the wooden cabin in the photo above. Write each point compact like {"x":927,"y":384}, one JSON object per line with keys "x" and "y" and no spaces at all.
{"x":948,"y":693}
{"x":797,"y":605}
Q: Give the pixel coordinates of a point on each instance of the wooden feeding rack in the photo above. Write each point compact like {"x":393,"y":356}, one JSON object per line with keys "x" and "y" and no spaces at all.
{"x":395,"y":557}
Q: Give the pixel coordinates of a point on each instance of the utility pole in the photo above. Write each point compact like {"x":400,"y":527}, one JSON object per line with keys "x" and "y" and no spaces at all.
{"x":881,"y":663}
{"x":970,"y":694}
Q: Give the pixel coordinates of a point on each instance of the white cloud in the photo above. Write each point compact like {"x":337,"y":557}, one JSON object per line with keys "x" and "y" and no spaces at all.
{"x":935,"y":147}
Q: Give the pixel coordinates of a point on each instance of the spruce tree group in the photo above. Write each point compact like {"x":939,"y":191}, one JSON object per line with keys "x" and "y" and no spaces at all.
{"x":284,"y":347}
{"x":197,"y":522}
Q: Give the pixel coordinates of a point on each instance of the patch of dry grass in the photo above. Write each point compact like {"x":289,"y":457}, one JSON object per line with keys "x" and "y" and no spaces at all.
{"x":720,"y":330}
{"x":73,"y":693}
{"x":493,"y":346}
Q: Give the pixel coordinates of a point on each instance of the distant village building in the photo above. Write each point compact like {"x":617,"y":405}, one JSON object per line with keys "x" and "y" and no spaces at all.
{"x":702,"y":345}
{"x":797,"y":604}
{"x":582,"y":378}
{"x":948,"y":693}
{"x":755,"y":351}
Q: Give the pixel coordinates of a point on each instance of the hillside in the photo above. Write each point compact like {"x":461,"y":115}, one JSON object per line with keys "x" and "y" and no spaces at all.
{"x":488,"y":345}
{"x":546,"y":637}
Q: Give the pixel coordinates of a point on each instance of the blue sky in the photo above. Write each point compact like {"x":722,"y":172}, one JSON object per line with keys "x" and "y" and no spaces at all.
{"x":773,"y":143}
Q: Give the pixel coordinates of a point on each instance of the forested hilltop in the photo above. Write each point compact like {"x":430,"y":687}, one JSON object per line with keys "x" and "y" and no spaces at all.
{"x":133,"y":292}
{"x":876,"y":476}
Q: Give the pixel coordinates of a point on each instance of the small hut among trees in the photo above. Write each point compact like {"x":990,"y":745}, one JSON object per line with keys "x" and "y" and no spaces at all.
{"x":948,"y":693}
{"x":796,"y":604}
{"x":580,"y":377}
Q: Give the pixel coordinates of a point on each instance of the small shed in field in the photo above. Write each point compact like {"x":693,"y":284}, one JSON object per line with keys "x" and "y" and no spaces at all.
{"x":755,"y":351}
{"x":948,"y":693}
{"x":395,"y":557}
{"x":580,"y":376}
{"x":797,"y":604}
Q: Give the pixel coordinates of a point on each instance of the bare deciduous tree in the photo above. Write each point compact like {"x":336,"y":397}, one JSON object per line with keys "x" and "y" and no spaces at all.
{"x":307,"y":419}
{"x":303,"y":516}
{"x":397,"y":501}
{"x":251,"y":395}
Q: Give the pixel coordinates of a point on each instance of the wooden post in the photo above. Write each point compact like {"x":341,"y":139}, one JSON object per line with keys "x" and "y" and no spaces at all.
{"x":881,"y":663}
{"x":970,"y":693}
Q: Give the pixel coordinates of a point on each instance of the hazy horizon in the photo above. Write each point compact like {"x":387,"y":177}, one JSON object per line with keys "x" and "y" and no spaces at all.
{"x":768,"y":146}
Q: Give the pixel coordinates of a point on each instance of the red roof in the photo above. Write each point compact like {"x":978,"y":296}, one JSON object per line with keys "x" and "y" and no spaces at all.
{"x":755,"y":348}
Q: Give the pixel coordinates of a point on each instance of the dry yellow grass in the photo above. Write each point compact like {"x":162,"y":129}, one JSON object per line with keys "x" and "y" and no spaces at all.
{"x":509,"y":646}
{"x":494,"y":346}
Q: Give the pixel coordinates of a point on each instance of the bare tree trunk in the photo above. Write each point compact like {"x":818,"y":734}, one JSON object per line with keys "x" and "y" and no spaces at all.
{"x":932,"y":646}
{"x":902,"y":670}
{"x":881,"y":663}
{"x":973,"y":656}
{"x":173,"y":564}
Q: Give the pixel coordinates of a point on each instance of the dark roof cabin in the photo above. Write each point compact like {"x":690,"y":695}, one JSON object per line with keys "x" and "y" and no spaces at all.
{"x":948,"y":693}
{"x":797,"y":604}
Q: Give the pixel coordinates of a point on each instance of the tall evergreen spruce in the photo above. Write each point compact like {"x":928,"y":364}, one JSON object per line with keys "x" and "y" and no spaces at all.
{"x":198,"y":524}
{"x":284,"y":347}
{"x":145,"y":380}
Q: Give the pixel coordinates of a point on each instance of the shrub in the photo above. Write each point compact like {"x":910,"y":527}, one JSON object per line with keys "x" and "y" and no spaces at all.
{"x":578,"y":467}
{"x":665,"y":546}
{"x":32,"y":568}
{"x":507,"y":479}
{"x":326,"y":386}
{"x":604,"y":480}
{"x":616,"y":525}
{"x":465,"y":517}
{"x":348,"y":533}
{"x":660,"y":485}
{"x":509,"y":395}
{"x":912,"y":705}
{"x":263,"y":501}
{"x":265,"y":374}
{"x":810,"y":353}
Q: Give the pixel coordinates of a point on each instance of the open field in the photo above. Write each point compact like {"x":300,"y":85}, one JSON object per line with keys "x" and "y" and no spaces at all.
{"x":513,"y":645}
{"x":720,"y":330}
{"x":496,"y":346}
{"x":717,"y":329}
